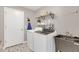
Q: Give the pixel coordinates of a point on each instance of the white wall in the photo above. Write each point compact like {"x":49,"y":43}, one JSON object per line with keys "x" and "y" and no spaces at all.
{"x":1,"y":26}
{"x":66,"y":19}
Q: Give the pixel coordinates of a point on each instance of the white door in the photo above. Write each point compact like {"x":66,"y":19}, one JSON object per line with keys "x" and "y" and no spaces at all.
{"x":13,"y":26}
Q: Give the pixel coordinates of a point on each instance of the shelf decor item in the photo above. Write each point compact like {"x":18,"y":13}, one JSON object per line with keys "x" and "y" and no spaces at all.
{"x":29,"y":27}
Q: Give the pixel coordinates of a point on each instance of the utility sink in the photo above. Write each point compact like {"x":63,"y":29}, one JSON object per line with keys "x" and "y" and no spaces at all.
{"x":64,"y":36}
{"x":77,"y":41}
{"x":74,"y":39}
{"x":43,"y":32}
{"x":46,"y":31}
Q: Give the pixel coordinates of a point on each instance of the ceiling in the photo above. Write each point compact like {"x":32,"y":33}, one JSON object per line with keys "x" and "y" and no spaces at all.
{"x":33,"y":7}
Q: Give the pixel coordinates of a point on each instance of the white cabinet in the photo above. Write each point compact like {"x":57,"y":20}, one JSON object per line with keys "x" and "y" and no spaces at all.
{"x":30,"y":40}
{"x":41,"y":43}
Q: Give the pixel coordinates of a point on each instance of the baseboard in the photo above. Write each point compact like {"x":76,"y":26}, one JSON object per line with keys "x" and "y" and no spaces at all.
{"x":25,"y":42}
{"x":4,"y":47}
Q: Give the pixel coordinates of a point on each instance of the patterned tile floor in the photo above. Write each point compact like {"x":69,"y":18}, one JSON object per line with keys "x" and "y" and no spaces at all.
{"x":17,"y":48}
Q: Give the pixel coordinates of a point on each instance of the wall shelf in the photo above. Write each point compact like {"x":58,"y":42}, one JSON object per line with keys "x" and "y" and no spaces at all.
{"x":43,"y":17}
